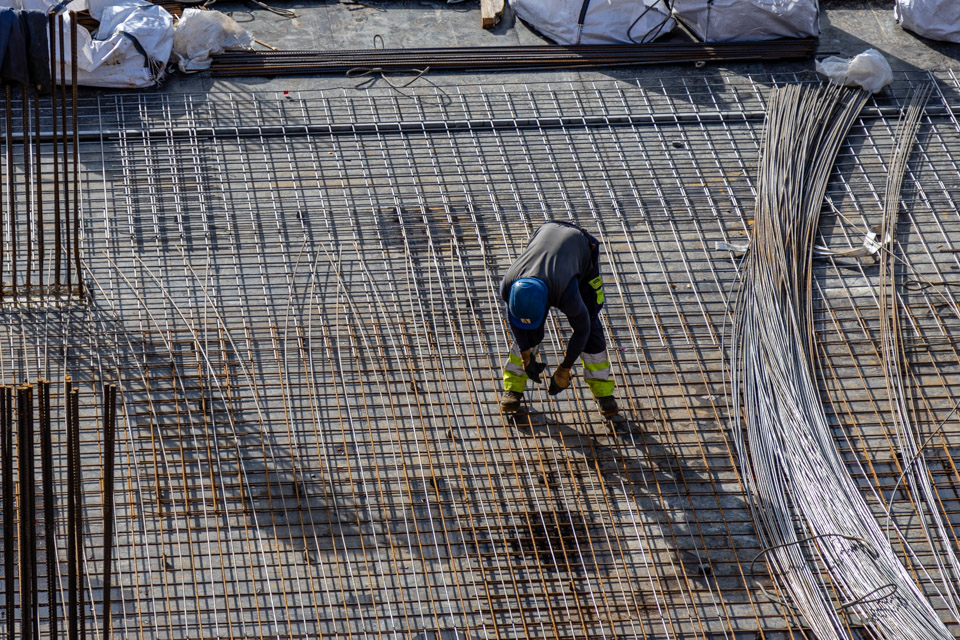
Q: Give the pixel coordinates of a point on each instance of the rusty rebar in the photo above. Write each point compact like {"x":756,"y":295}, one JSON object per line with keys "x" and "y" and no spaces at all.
{"x":9,"y":531}
{"x":26,"y":516}
{"x":524,"y":58}
{"x":109,"y":443}
{"x":78,"y":521}
{"x":38,"y":178}
{"x":51,"y":24}
{"x":11,"y":196}
{"x":25,"y":127}
{"x":66,"y":168}
{"x":72,"y":596}
{"x":49,"y":521}
{"x":8,"y":142}
{"x":76,"y":154}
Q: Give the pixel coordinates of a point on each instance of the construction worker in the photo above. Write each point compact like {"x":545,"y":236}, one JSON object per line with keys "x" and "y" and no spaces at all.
{"x":559,"y":268}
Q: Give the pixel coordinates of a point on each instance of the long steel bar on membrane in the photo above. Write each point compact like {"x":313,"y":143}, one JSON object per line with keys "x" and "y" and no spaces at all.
{"x":109,"y":443}
{"x":9,"y":519}
{"x":76,"y":154}
{"x":502,"y":58}
{"x":52,"y":26}
{"x":66,"y":174}
{"x":49,"y":519}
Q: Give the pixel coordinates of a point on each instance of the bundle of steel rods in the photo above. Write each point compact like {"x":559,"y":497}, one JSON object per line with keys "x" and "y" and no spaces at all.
{"x":27,"y":270}
{"x":826,"y":551}
{"x":21,"y":543}
{"x":915,"y":479}
{"x":521,"y":58}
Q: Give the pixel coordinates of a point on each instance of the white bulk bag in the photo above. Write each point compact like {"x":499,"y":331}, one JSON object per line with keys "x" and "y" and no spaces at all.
{"x":744,"y":20}
{"x":603,"y":21}
{"x":202,"y":34}
{"x":934,"y":19}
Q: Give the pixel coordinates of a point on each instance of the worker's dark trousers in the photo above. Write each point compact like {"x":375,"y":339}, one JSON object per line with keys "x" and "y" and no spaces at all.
{"x":596,"y":365}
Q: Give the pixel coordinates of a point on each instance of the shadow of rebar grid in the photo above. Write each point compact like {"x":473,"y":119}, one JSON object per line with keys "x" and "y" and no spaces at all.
{"x":299,"y":293}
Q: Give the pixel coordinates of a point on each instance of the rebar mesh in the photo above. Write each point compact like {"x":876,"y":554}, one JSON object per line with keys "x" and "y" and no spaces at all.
{"x":298,"y":296}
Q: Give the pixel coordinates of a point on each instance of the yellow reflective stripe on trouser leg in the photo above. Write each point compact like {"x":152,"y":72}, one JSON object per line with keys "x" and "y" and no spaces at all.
{"x":596,"y":373}
{"x":514,"y":377}
{"x":597,"y":285}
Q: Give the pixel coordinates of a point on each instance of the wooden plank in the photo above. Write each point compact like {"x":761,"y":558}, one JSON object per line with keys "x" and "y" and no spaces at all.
{"x":491,"y":12}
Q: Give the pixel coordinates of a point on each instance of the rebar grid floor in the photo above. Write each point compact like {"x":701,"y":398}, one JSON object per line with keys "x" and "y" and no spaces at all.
{"x":297,"y":294}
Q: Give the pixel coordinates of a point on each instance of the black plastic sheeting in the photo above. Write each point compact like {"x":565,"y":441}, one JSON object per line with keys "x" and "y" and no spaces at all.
{"x":24,"y":52}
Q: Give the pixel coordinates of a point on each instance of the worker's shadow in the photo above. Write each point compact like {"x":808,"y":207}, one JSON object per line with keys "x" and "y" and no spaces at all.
{"x":654,"y":492}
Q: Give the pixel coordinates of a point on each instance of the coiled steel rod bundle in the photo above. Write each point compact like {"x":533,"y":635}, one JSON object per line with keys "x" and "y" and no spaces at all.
{"x":502,"y":58}
{"x":825,"y":549}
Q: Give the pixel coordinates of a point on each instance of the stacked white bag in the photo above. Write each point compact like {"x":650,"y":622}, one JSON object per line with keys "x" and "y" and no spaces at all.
{"x":596,"y":21}
{"x":934,"y":19}
{"x":624,"y":21}
{"x":743,"y":20}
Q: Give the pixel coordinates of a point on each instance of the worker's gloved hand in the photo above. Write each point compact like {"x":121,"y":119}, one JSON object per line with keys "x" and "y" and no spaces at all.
{"x":560,"y":381}
{"x":531,"y":367}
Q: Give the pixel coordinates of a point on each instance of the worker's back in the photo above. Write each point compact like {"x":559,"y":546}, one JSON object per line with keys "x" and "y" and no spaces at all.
{"x":557,"y":253}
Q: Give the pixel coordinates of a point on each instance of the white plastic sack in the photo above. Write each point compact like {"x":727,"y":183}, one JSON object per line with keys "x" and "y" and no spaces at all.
{"x":200,"y":34}
{"x":745,"y":20}
{"x":868,"y":70}
{"x":605,"y":21}
{"x":44,"y":5}
{"x":111,"y":59}
{"x":935,"y":19}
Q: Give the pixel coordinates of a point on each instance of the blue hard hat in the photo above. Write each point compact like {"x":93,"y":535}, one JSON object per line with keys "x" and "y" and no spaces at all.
{"x":528,"y":303}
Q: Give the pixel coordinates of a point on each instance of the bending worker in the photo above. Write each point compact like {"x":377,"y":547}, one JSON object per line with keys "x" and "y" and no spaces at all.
{"x":559,"y":268}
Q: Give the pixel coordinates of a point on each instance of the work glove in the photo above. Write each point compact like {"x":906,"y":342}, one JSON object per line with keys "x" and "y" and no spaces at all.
{"x":531,"y":367}
{"x":560,"y":380}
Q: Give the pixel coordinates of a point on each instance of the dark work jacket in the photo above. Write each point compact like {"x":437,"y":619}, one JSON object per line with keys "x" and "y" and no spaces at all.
{"x":564,"y":257}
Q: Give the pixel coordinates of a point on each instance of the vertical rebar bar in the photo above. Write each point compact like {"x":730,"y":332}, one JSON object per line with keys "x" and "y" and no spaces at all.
{"x":25,"y":457}
{"x":49,"y":521}
{"x":52,"y":20}
{"x":9,"y":531}
{"x":38,"y":173}
{"x":27,"y":177}
{"x":8,"y":142}
{"x":32,"y":511}
{"x":72,"y":626}
{"x":11,"y":196}
{"x":76,"y":153}
{"x":66,"y":168}
{"x":109,"y":440}
{"x":78,"y":522}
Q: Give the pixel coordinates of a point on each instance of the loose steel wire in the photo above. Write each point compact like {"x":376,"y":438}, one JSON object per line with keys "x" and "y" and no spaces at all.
{"x":918,"y":485}
{"x":805,"y":504}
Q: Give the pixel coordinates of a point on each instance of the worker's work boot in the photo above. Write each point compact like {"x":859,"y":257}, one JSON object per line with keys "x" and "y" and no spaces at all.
{"x":607,"y":405}
{"x":510,"y":401}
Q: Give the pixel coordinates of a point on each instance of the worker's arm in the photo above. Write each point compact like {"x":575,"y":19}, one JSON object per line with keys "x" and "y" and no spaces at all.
{"x":571,"y":304}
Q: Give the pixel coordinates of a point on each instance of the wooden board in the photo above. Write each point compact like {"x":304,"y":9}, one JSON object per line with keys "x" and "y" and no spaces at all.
{"x":491,"y":11}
